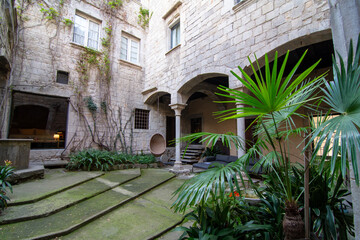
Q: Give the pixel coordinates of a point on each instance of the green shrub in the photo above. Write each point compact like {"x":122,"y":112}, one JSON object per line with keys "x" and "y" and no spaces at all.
{"x":5,"y":172}
{"x":229,"y":219}
{"x":92,"y":159}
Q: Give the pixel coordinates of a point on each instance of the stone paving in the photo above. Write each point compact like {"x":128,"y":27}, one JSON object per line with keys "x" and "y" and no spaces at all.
{"x":124,"y":204}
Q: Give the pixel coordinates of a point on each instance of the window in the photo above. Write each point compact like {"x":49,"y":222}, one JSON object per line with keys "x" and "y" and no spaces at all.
{"x":238,"y":1}
{"x":86,"y":32}
{"x":175,"y":35}
{"x":141,"y":119}
{"x":129,"y":49}
{"x":317,"y":120}
{"x":62,"y":77}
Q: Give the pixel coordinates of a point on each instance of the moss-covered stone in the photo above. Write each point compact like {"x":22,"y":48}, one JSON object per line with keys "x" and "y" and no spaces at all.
{"x":142,"y":218}
{"x":55,"y":180}
{"x":69,"y":197}
{"x":90,"y":209}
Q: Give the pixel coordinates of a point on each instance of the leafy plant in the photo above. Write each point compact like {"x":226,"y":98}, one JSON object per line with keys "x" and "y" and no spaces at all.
{"x":103,"y":160}
{"x":49,"y":13}
{"x":211,"y":151}
{"x":331,"y":219}
{"x":144,"y":17}
{"x":213,"y":182}
{"x":329,"y":216}
{"x":91,"y":105}
{"x":5,"y":172}
{"x":67,"y":22}
{"x":274,"y":99}
{"x":114,"y":4}
{"x":221,"y":220}
{"x":340,"y":134}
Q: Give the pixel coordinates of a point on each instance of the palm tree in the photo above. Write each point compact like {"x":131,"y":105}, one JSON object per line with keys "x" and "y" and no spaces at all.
{"x":274,"y":99}
{"x":340,"y":133}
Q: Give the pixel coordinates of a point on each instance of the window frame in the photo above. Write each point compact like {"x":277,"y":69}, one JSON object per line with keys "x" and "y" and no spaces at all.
{"x":88,"y":19}
{"x":130,"y":40}
{"x":61,"y":72}
{"x":175,"y":26}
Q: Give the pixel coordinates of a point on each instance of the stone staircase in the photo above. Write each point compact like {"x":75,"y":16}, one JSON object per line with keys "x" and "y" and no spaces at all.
{"x":124,"y":204}
{"x":191,"y":154}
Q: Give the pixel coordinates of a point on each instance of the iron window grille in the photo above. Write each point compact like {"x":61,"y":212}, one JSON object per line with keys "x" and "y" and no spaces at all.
{"x":141,"y":119}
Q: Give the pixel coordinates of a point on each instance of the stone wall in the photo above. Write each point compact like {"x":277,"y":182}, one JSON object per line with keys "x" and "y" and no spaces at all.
{"x":217,"y":36}
{"x":7,"y":41}
{"x":46,"y":46}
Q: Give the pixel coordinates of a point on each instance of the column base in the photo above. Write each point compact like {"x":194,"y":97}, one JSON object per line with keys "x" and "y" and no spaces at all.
{"x":178,"y":169}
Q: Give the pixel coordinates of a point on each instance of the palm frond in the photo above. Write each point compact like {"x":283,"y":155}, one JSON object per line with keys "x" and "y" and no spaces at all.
{"x":342,"y":95}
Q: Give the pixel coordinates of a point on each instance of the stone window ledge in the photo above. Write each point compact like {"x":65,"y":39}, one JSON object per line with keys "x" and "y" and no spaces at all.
{"x":130,"y":64}
{"x":242,"y":4}
{"x":173,"y":49}
{"x":81,"y":47}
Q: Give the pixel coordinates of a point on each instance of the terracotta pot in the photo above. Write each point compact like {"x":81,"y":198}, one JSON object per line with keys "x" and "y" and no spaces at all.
{"x":293,"y":225}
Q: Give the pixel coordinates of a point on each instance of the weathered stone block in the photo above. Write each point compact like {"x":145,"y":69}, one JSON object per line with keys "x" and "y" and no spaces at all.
{"x":15,"y":150}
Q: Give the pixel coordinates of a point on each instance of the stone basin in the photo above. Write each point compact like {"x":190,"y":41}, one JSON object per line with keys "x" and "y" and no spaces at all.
{"x":15,"y":150}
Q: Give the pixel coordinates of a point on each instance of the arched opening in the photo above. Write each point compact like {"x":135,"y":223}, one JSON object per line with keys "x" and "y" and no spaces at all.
{"x":320,"y":50}
{"x":41,"y":118}
{"x":198,"y":115}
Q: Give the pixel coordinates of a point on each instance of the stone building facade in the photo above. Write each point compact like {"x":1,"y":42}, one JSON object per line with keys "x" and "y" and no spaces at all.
{"x":155,"y":79}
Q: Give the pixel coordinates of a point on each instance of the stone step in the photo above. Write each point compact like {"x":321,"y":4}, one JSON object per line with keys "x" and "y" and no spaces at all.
{"x":32,"y":172}
{"x":55,"y":163}
{"x":188,"y":157}
{"x":196,"y":146}
{"x":191,"y":154}
{"x":76,"y":216}
{"x":58,"y":181}
{"x":67,"y":198}
{"x":151,"y":211}
{"x":191,"y":161}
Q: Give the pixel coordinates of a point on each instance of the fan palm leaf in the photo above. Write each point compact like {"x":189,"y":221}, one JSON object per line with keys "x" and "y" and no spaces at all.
{"x":341,"y":132}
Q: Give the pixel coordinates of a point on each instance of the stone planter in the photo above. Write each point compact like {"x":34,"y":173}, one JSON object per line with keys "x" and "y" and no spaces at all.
{"x":15,"y":150}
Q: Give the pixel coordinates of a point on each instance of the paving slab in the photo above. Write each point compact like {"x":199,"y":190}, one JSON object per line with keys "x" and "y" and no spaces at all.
{"x":55,"y":180}
{"x":76,"y":216}
{"x":144,"y":218}
{"x":68,"y":197}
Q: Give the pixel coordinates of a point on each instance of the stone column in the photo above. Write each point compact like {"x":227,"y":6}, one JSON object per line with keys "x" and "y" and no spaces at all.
{"x":177,"y":107}
{"x":240,"y":125}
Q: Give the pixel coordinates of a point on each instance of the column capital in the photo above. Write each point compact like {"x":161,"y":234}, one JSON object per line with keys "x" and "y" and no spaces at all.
{"x":178,"y":107}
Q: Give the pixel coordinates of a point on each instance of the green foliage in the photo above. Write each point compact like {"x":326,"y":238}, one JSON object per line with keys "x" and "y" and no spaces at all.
{"x":67,"y":22}
{"x":91,"y":105}
{"x":92,"y":56}
{"x":114,"y":4}
{"x":211,"y":151}
{"x":5,"y":172}
{"x":104,"y":106}
{"x":144,"y":17}
{"x":103,"y":160}
{"x":226,"y":219}
{"x":49,"y":13}
{"x":213,"y":182}
{"x":328,"y":209}
{"x":341,"y":133}
{"x":330,"y":219}
{"x":270,"y":96}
